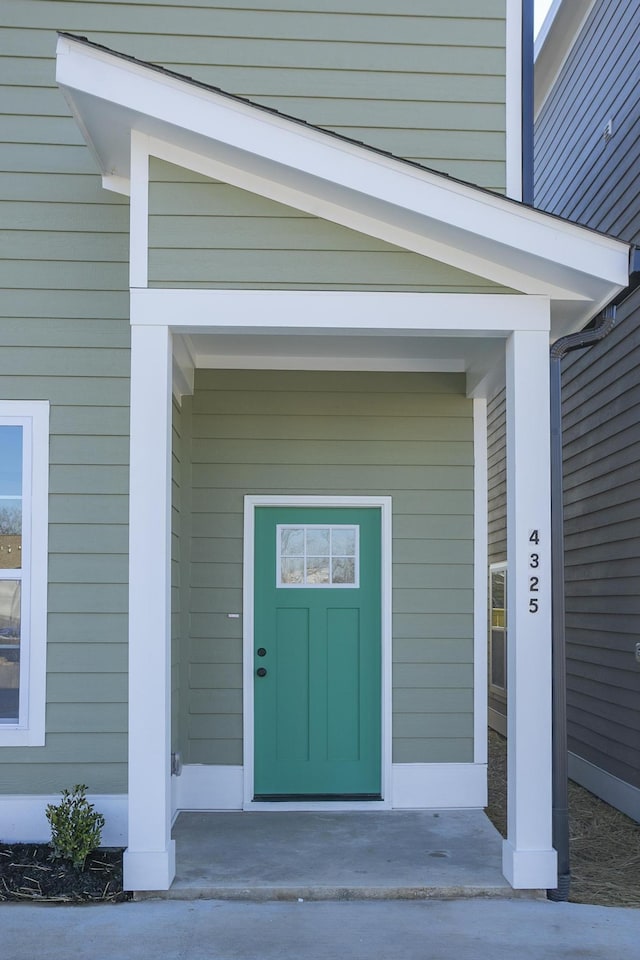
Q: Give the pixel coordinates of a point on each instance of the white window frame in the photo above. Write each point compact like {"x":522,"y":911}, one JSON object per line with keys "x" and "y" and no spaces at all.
{"x":33,"y":417}
{"x":500,"y":692}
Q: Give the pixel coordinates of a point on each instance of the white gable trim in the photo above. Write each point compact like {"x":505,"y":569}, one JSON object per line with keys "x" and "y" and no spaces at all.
{"x":334,"y":178}
{"x":139,"y":212}
{"x":373,"y":223}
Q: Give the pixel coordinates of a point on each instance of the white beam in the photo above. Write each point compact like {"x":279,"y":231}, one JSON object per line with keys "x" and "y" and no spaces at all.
{"x":139,"y":212}
{"x":149,"y":861}
{"x":528,"y":858}
{"x":393,"y":314}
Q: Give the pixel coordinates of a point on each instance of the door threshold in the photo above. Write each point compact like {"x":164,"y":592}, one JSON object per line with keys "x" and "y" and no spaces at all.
{"x":313,"y":797}
{"x":316,"y":806}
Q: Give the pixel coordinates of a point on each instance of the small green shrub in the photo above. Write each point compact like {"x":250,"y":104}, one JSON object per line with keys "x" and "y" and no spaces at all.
{"x":76,"y":828}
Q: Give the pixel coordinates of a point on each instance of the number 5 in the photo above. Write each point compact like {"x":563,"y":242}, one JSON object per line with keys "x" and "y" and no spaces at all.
{"x":533,"y":605}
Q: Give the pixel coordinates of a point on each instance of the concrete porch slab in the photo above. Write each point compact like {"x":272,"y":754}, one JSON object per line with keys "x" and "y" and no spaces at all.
{"x":396,"y":854}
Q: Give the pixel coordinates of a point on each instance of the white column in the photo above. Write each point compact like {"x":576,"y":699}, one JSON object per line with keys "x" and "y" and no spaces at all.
{"x":528,"y":859}
{"x":481,"y":565}
{"x":149,"y":862}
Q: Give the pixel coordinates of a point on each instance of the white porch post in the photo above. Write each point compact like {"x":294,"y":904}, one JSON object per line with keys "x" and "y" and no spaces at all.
{"x":528,"y":858}
{"x":149,"y":862}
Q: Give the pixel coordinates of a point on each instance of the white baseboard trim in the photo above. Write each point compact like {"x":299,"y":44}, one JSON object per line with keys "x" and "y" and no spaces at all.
{"x":429,"y":785}
{"x":23,"y":818}
{"x":414,"y":786}
{"x":618,"y":793}
{"x":204,"y":787}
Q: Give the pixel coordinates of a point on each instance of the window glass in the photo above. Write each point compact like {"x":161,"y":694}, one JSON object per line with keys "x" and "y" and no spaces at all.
{"x":10,"y":497}
{"x":317,"y":556}
{"x":11,"y":441}
{"x":9,"y":650}
{"x":498,"y":599}
{"x":24,"y":477}
{"x":498,"y":628}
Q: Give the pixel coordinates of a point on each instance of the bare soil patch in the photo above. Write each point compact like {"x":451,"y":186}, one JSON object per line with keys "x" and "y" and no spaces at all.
{"x":604,"y":843}
{"x":28,"y":873}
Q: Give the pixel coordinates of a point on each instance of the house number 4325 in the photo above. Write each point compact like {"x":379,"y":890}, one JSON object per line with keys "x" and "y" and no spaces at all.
{"x":534,"y":579}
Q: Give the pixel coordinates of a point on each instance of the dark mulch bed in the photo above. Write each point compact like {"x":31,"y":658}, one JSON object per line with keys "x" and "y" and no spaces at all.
{"x":604,"y":843}
{"x":28,"y":873}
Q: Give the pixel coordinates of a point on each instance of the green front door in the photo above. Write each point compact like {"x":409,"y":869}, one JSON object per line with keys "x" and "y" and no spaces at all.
{"x":317,"y":652}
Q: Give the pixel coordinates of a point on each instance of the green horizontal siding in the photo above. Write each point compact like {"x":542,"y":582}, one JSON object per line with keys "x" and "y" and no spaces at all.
{"x":203,"y":233}
{"x":89,"y":568}
{"x":444,"y":750}
{"x":291,"y":432}
{"x":90,"y":658}
{"x":338,"y":478}
{"x":423,"y":80}
{"x":317,"y":428}
{"x":89,"y":717}
{"x":88,"y":748}
{"x":75,"y":687}
{"x":441,"y":700}
{"x":99,"y":627}
{"x":65,"y":336}
{"x":60,"y":773}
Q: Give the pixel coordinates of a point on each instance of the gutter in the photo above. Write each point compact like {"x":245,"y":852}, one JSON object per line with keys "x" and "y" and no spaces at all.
{"x":595,"y":332}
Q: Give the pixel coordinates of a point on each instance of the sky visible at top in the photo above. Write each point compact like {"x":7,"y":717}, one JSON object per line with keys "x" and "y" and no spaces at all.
{"x":10,"y":461}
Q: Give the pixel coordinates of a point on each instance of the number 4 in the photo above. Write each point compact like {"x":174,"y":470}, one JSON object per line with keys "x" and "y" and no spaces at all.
{"x":534,"y":537}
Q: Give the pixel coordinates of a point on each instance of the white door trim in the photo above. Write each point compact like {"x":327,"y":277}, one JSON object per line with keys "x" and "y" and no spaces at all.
{"x":250,"y":503}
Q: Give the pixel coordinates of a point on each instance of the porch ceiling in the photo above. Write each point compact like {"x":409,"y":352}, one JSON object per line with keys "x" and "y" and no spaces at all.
{"x":113,"y":96}
{"x":281,"y":349}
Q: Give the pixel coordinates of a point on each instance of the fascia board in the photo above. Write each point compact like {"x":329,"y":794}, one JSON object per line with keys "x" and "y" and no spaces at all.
{"x":489,"y":228}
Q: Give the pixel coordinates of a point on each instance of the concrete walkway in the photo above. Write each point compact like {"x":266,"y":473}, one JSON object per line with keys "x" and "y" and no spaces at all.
{"x":394,"y":854}
{"x":392,"y":930}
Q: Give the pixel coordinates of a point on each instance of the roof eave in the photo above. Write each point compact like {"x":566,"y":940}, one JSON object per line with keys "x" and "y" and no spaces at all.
{"x":332,"y":177}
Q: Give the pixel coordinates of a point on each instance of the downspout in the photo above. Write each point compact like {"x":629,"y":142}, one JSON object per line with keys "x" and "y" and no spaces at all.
{"x":559,"y":350}
{"x":527,"y":102}
{"x":574,"y":341}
